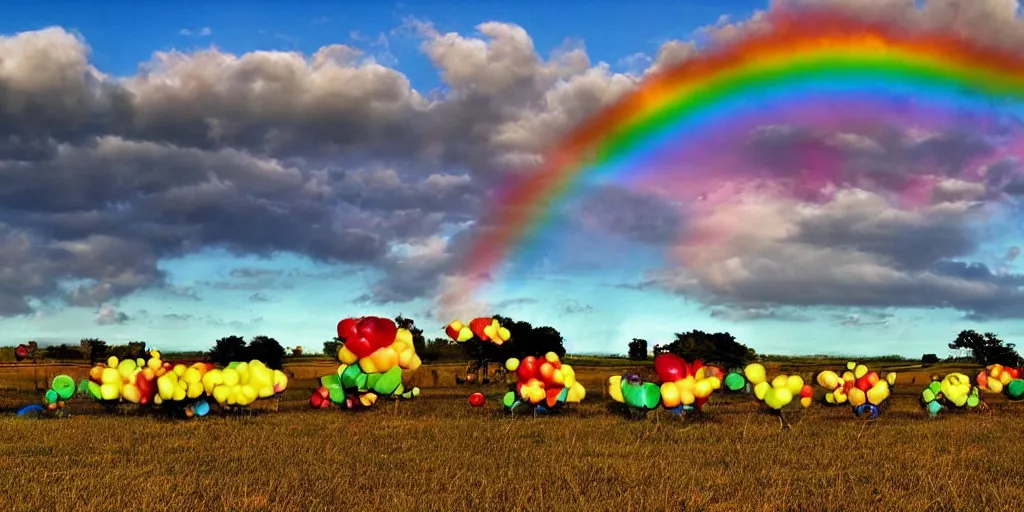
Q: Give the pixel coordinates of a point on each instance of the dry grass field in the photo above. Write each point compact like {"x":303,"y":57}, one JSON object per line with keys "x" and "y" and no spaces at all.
{"x":437,"y":453}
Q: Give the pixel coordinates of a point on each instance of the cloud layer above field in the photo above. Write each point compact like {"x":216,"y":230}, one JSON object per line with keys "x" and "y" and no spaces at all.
{"x":337,"y":157}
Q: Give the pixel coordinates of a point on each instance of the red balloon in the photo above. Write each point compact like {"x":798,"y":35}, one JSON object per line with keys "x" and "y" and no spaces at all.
{"x":527,"y":368}
{"x":21,"y":352}
{"x":477,"y":399}
{"x":359,"y":346}
{"x":670,"y":367}
{"x":316,"y":401}
{"x":863,"y":383}
{"x":547,"y":373}
{"x":147,"y":388}
{"x":806,"y":391}
{"x":380,"y":332}
{"x":478,"y":325}
{"x":347,"y":328}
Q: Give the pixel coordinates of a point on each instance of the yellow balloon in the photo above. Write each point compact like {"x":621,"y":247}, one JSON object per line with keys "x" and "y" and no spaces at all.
{"x":830,"y":398}
{"x":230,"y":377}
{"x":794,"y":383}
{"x":878,"y":393}
{"x":760,"y":389}
{"x":281,"y":380}
{"x":512,"y":364}
{"x":109,"y":392}
{"x":995,"y":386}
{"x":615,"y":388}
{"x":702,"y":389}
{"x":857,"y":397}
{"x":828,"y":379}
{"x":805,"y":401}
{"x":112,"y":362}
{"x":110,"y":376}
{"x":780,"y":381}
{"x":551,"y":357}
{"x":686,"y":396}
{"x":221,"y":393}
{"x":860,"y":371}
{"x":212,"y":379}
{"x":347,"y":356}
{"x":715,"y":382}
{"x":670,"y":395}
{"x":754,"y":373}
{"x":404,"y":336}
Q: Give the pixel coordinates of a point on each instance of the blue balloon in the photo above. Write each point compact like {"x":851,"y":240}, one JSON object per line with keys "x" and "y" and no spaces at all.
{"x":202,"y":407}
{"x":872,"y":410}
{"x":934,"y":407}
{"x":859,"y":410}
{"x":31,"y":410}
{"x":677,"y":410}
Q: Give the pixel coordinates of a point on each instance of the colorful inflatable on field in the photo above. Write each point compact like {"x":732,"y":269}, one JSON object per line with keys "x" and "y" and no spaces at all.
{"x":62,"y":388}
{"x":685,"y":387}
{"x":486,"y":329}
{"x":867,"y":393}
{"x":997,"y":378}
{"x":543,"y":384}
{"x":953,"y":392}
{"x":177,"y":386}
{"x":376,"y":354}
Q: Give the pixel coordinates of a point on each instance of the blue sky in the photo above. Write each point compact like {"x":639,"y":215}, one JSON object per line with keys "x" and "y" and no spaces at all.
{"x":210,"y":291}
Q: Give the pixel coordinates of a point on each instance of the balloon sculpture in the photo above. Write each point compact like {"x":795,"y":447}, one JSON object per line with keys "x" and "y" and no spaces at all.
{"x":486,"y":329}
{"x":776,"y":394}
{"x":542,"y":384}
{"x":685,"y":387}
{"x":374,"y":355}
{"x":865,"y":390}
{"x":62,"y":388}
{"x":954,"y":391}
{"x":997,"y":378}
{"x":180,"y":387}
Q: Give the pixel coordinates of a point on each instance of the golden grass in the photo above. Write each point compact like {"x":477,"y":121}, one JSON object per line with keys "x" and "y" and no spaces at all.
{"x":437,"y":453}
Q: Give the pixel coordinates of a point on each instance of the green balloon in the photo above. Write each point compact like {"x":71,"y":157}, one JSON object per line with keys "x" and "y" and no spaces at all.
{"x":633,"y":395}
{"x":400,"y":390}
{"x":651,"y":395}
{"x":388,"y":381}
{"x":415,"y":392}
{"x":935,"y":386}
{"x":64,"y":386}
{"x":328,"y":381}
{"x":337,"y":394}
{"x":371,"y":379}
{"x":509,"y":400}
{"x":83,"y":386}
{"x":563,"y":395}
{"x":735,"y":381}
{"x":1015,"y":389}
{"x":361,"y":382}
{"x":94,"y":390}
{"x":928,"y":395}
{"x":51,"y":396}
{"x":233,"y":364}
{"x":349,"y":377}
{"x":972,"y":401}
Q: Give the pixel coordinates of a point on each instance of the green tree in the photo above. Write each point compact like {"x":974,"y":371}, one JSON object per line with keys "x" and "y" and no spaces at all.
{"x":929,"y":359}
{"x":331,"y":347}
{"x":267,"y":350}
{"x":720,"y":348}
{"x":95,"y":349}
{"x":228,"y":349}
{"x":638,"y":349}
{"x":63,"y":352}
{"x":986,"y":348}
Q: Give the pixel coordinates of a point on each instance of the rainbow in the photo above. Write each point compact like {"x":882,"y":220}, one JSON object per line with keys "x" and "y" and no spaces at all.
{"x":813,"y":53}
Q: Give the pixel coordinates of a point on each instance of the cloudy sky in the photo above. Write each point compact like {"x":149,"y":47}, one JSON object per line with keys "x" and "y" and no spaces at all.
{"x":182,"y":173}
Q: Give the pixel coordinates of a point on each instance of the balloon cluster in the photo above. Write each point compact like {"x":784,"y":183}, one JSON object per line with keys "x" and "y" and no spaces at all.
{"x":685,"y":387}
{"x":374,"y":355}
{"x":953,"y":391}
{"x":62,"y":388}
{"x":486,"y":329}
{"x":157,"y":382}
{"x":997,"y":378}
{"x":865,"y":390}
{"x":22,"y":351}
{"x":543,"y":383}
{"x":780,"y":391}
